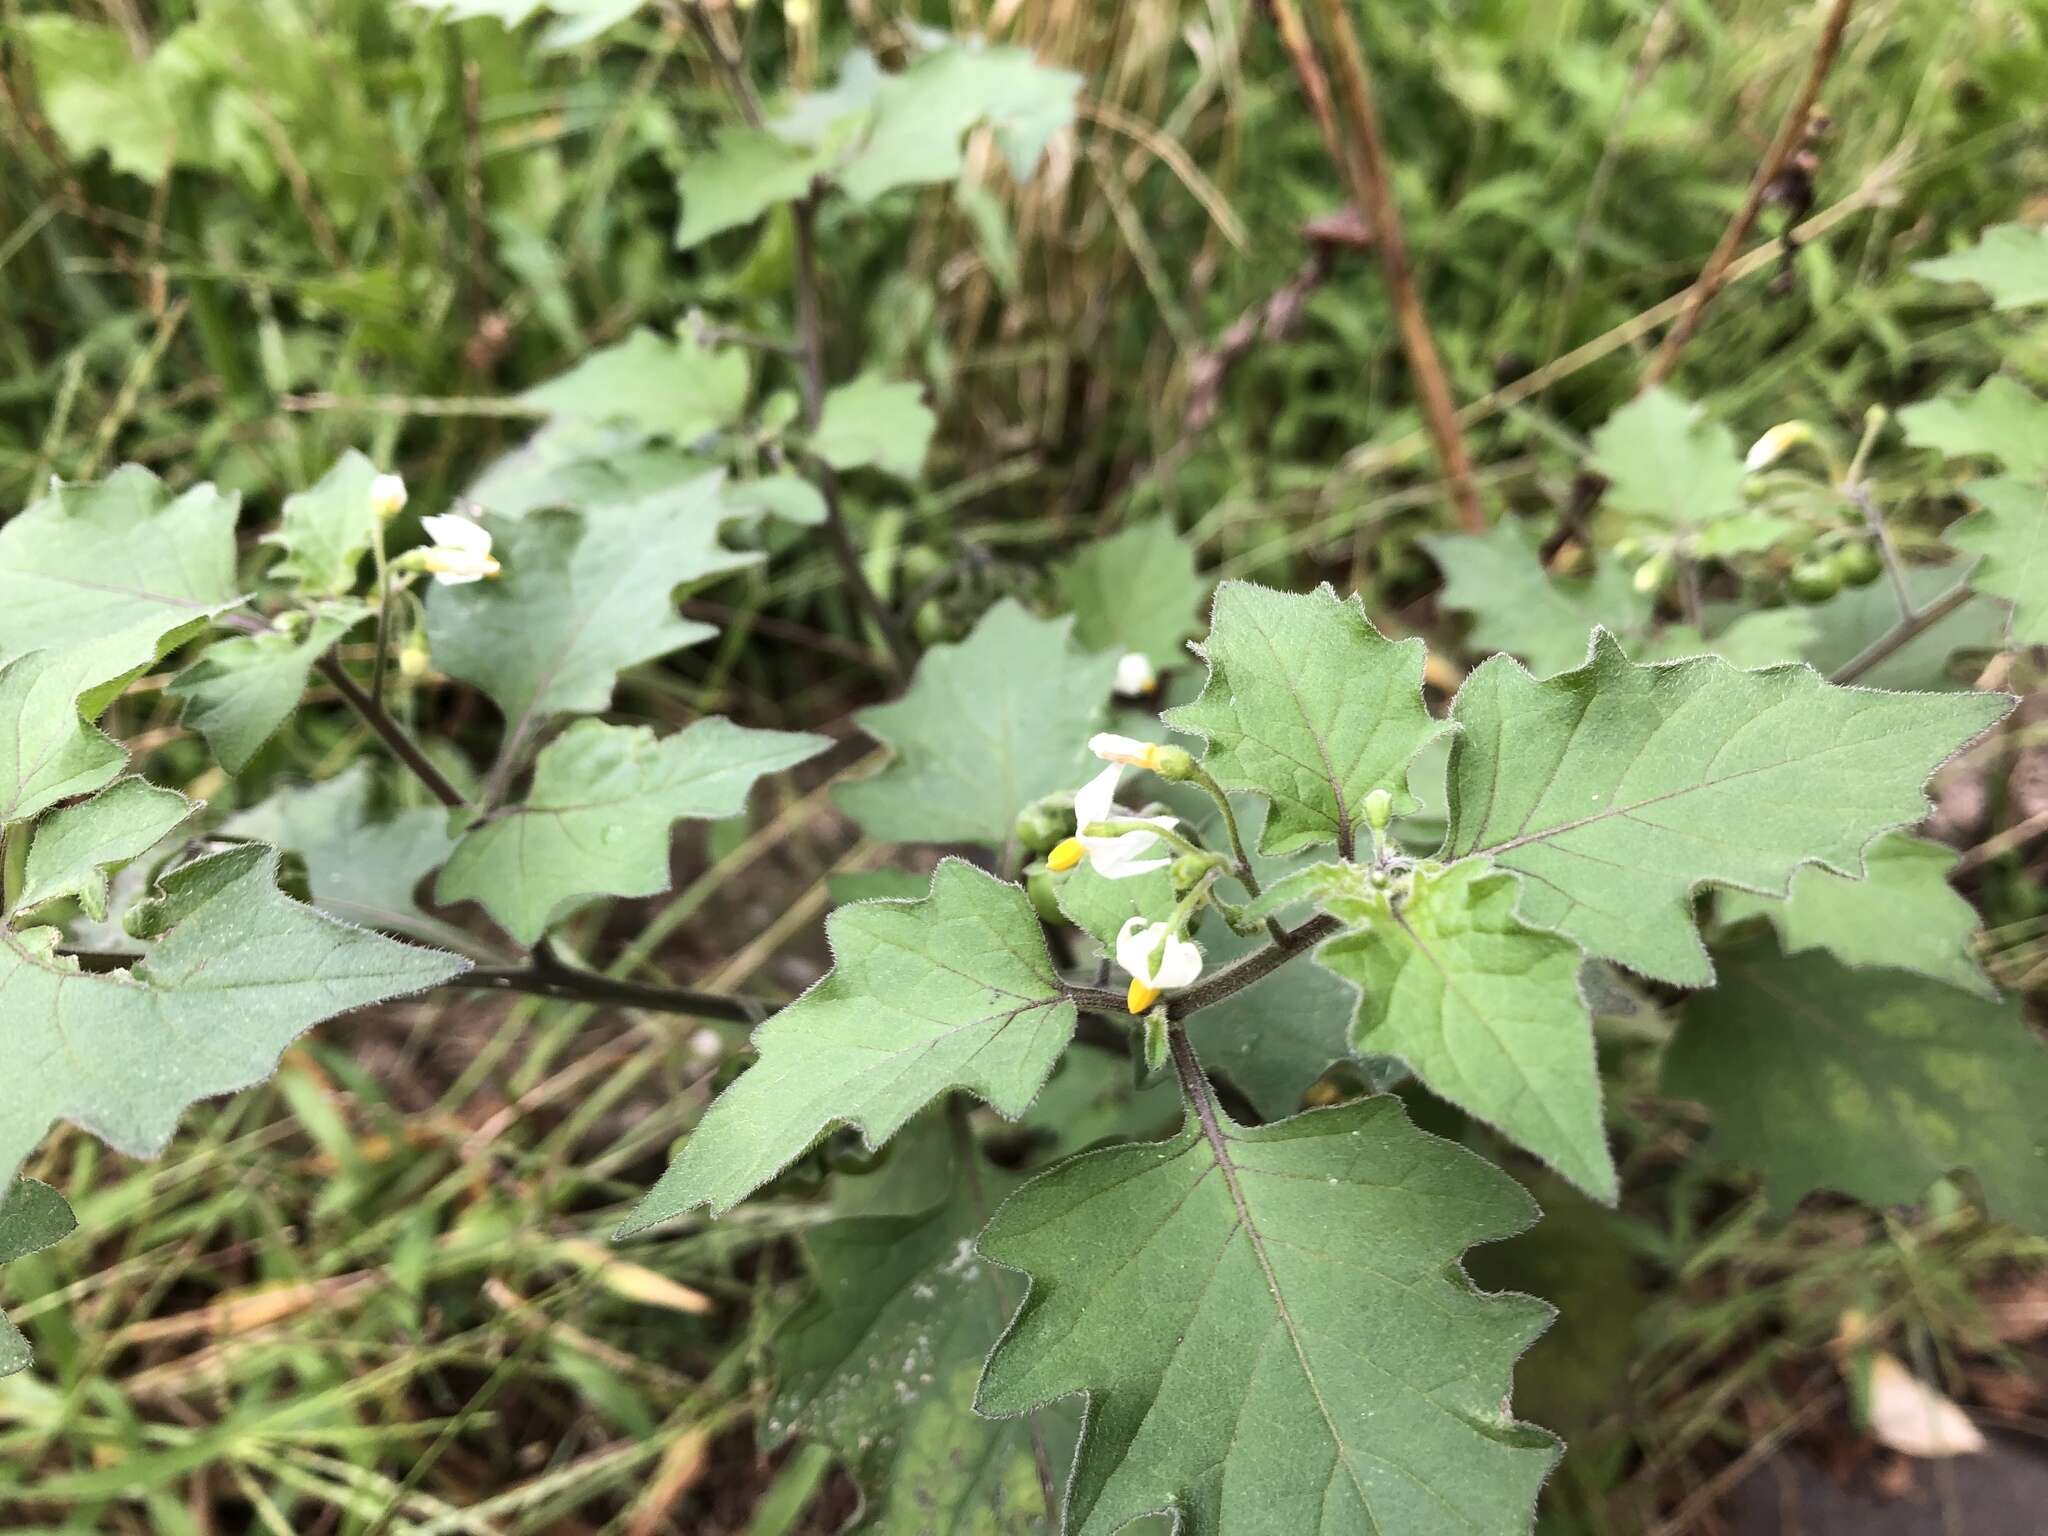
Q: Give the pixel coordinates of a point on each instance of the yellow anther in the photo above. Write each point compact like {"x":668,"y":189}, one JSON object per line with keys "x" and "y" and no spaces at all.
{"x":1141,"y":997}
{"x":1065,"y":855}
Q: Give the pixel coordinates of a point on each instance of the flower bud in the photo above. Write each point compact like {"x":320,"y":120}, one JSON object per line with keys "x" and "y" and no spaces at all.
{"x":1044,"y":823}
{"x":1379,"y":810}
{"x":1776,"y":443}
{"x":1174,"y":764}
{"x":387,"y":496}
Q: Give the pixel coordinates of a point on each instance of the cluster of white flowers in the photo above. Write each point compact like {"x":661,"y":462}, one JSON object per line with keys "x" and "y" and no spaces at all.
{"x":1159,"y":960}
{"x":461,"y":548}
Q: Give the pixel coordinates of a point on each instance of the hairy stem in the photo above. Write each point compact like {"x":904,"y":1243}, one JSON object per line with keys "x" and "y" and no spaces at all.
{"x":393,"y":735}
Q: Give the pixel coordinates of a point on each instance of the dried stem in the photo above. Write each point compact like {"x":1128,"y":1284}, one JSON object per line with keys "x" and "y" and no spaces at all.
{"x":1365,"y":167}
{"x":1715,"y":273}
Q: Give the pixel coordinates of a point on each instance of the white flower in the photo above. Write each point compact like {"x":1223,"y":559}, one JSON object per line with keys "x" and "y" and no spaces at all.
{"x":1118,"y":857}
{"x":387,"y":495}
{"x":461,"y":551}
{"x":1158,"y":960}
{"x":1775,"y":444}
{"x":1135,"y":676}
{"x":1127,"y":750}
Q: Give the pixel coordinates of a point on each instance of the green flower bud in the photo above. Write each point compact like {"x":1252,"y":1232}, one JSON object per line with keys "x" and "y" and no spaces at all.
{"x":1189,"y":869}
{"x":1379,"y":810}
{"x":1042,"y":824}
{"x":1175,"y":764}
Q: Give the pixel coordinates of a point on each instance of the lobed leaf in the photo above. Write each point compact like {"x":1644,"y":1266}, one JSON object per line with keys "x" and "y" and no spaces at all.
{"x":1616,"y":790}
{"x":2008,"y":533}
{"x":1875,"y":1083}
{"x":240,"y":971}
{"x":244,"y":688}
{"x":76,"y":847}
{"x":596,"y":821}
{"x":327,"y":529}
{"x":873,"y":422}
{"x":1273,"y":1331}
{"x":669,"y":387}
{"x":1515,"y":605}
{"x":953,"y":991}
{"x":986,"y":727}
{"x":1309,"y":707}
{"x":1137,"y":590}
{"x":47,"y":752}
{"x":2000,"y":419}
{"x":1487,"y":1012}
{"x":1902,"y":913}
{"x":1668,"y":462}
{"x":582,"y":597}
{"x":2009,"y":262}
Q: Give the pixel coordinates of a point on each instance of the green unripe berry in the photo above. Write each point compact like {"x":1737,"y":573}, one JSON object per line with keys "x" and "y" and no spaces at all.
{"x":1038,"y":886}
{"x":1189,"y":868}
{"x":1857,"y":565}
{"x":1814,"y":581}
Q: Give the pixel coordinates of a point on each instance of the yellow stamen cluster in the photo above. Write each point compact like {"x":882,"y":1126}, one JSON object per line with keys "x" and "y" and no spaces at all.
{"x":1065,"y":855}
{"x":1141,"y":997}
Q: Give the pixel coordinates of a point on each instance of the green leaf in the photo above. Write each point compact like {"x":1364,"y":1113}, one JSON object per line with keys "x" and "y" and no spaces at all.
{"x":1137,"y":590}
{"x":673,"y":388}
{"x":596,"y":821}
{"x":108,"y":576}
{"x":2009,"y":534}
{"x":882,"y":1364}
{"x":583,"y":596}
{"x":789,"y":497}
{"x":326,"y":531}
{"x":96,"y":95}
{"x":76,"y":848}
{"x":47,"y":753}
{"x":359,"y":867}
{"x":873,"y":422}
{"x":1615,"y":791}
{"x":1875,"y":1083}
{"x":582,"y":464}
{"x":744,"y":174}
{"x":239,"y":973}
{"x":1669,"y":463}
{"x":1515,"y":605}
{"x":2001,"y":419}
{"x":2009,"y":262}
{"x":922,"y":115}
{"x":1902,"y":913}
{"x":954,"y":991}
{"x":1273,"y":1330}
{"x":1309,"y":707}
{"x":245,"y":687}
{"x":1854,"y":617}
{"x":32,"y":1217}
{"x":987,"y":726}
{"x":1756,"y":639}
{"x":577,"y":21}
{"x":1488,"y":1013}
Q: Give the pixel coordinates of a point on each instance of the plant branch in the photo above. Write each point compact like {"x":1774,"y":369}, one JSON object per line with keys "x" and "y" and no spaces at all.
{"x":1372,"y":188}
{"x":559,"y":981}
{"x":1227,"y":982}
{"x":1908,"y":629}
{"x":1715,"y":273}
{"x":394,"y":735}
{"x":1894,"y":567}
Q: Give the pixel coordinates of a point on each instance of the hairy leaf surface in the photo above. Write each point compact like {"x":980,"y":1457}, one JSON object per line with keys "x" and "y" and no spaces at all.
{"x":245,"y":687}
{"x":1668,"y":462}
{"x":1487,"y":1012}
{"x":597,"y":820}
{"x":239,"y":973}
{"x":987,"y":726}
{"x":1875,"y":1083}
{"x":1272,"y":1329}
{"x":954,"y":991}
{"x":47,"y":752}
{"x":1616,"y":790}
{"x":360,"y":868}
{"x":75,"y":847}
{"x":1309,"y":707}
